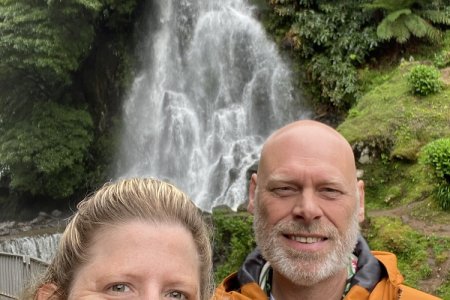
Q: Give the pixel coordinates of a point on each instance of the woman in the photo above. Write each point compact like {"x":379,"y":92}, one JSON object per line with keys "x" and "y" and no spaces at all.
{"x":134,"y":239}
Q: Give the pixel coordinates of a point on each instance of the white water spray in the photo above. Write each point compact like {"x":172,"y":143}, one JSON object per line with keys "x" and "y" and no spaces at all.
{"x":38,"y":246}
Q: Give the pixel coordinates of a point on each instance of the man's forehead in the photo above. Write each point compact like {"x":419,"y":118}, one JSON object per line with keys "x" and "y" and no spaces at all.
{"x":308,"y":147}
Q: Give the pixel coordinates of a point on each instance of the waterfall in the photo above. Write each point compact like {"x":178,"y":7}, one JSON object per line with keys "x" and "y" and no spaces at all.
{"x":211,"y":89}
{"x":38,"y":246}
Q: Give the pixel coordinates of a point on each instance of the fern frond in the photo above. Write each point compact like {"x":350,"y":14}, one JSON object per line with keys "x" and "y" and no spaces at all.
{"x":416,"y":25}
{"x":435,"y":35}
{"x":397,"y":14}
{"x":384,"y":30}
{"x":400,"y":32}
{"x":435,"y":16}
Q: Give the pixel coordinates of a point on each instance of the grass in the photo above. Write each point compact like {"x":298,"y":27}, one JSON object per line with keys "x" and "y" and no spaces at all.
{"x":390,"y":183}
{"x":413,"y":249}
{"x":395,"y":122}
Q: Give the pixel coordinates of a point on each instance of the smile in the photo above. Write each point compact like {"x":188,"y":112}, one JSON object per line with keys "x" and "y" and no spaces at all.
{"x":306,"y":240}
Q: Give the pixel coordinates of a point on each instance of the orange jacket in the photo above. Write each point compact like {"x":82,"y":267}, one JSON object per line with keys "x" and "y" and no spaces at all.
{"x":377,"y":278}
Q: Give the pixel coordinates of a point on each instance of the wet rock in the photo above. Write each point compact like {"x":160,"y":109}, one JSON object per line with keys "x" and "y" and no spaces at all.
{"x":56,"y":213}
{"x":359,"y":173}
{"x":365,"y":157}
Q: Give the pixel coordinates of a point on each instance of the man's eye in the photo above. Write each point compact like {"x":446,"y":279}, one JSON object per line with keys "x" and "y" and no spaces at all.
{"x":284,"y":191}
{"x":176,"y":295}
{"x":330,"y":192}
{"x":120,"y":288}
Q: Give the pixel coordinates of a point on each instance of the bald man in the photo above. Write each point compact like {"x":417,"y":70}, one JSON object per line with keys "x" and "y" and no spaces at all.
{"x":307,"y":204}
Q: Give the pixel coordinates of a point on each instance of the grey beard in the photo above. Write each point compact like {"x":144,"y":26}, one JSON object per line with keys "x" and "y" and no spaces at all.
{"x":305,"y":269}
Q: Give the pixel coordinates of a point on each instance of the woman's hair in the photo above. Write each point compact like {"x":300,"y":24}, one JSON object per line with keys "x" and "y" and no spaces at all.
{"x":149,"y":200}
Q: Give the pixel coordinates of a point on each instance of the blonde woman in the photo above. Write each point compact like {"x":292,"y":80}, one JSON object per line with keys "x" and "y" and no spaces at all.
{"x":134,"y":239}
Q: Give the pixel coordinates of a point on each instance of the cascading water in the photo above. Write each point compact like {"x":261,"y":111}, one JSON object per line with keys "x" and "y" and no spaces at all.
{"x":212,"y":88}
{"x":39,"y":246}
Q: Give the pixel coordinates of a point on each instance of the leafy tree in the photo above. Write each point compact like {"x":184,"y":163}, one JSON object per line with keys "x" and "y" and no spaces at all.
{"x":41,"y":44}
{"x":46,"y":130}
{"x":45,"y":38}
{"x":406,"y":18}
{"x":330,"y":38}
{"x":45,"y":153}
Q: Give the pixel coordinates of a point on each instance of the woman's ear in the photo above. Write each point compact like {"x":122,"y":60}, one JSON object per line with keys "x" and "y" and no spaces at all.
{"x":47,"y":292}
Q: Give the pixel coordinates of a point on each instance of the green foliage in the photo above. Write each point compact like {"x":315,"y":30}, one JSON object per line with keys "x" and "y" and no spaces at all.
{"x":233,"y":241}
{"x":411,"y":247}
{"x":46,"y":148}
{"x":411,"y":18}
{"x":395,"y":125}
{"x":44,"y":154}
{"x":441,"y":59}
{"x":425,"y":80}
{"x":44,"y":43}
{"x":45,"y":39}
{"x":330,"y":38}
{"x":443,"y":196}
{"x":395,"y":121}
{"x":436,"y":157}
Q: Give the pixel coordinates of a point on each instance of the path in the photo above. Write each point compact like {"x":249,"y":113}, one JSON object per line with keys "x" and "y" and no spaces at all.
{"x":404,"y":213}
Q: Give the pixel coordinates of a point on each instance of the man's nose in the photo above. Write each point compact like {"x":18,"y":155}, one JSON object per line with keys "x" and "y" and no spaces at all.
{"x":306,"y":207}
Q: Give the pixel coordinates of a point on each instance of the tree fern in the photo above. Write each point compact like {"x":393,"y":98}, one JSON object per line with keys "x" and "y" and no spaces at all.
{"x":436,"y":17}
{"x":406,"y":18}
{"x":416,"y":25}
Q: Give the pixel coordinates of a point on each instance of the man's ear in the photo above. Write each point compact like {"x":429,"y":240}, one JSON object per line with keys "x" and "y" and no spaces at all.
{"x":251,"y":194}
{"x":360,"y":187}
{"x":47,"y":292}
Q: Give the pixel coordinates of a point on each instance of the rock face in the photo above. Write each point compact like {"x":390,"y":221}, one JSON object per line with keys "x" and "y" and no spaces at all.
{"x":43,"y":223}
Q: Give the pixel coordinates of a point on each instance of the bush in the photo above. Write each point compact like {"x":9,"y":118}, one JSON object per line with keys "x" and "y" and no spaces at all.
{"x":330,"y":39}
{"x":436,"y":157}
{"x":233,"y":241}
{"x":424,"y":80}
{"x":45,"y":153}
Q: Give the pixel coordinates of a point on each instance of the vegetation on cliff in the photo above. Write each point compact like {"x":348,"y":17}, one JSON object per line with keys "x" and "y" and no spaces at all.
{"x":62,"y":76}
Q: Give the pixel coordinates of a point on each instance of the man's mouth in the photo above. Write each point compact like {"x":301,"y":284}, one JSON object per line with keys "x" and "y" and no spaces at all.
{"x":306,"y":239}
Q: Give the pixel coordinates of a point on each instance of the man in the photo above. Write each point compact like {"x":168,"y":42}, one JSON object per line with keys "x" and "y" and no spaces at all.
{"x":307,"y":205}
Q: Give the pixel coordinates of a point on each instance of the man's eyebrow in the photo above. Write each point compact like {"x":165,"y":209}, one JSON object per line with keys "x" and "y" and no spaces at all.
{"x":280,"y":178}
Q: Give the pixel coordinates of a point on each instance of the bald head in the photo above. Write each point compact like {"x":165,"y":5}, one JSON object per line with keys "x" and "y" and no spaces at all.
{"x":311,"y":140}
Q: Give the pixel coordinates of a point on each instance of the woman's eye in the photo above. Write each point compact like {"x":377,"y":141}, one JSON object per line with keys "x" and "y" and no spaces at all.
{"x":120,"y":288}
{"x":176,"y":295}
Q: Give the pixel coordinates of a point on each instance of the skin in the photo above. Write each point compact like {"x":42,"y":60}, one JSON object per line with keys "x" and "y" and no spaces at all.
{"x":307,"y":178}
{"x":139,"y":260}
